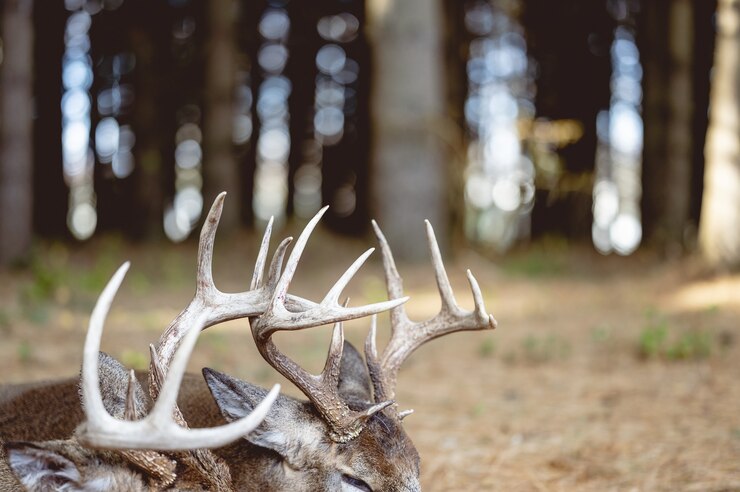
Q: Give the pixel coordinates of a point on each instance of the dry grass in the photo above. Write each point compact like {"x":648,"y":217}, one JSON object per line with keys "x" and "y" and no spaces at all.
{"x":564,"y":396}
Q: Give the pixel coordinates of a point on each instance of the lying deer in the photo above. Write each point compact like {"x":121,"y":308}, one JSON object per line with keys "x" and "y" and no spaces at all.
{"x":348,"y":436}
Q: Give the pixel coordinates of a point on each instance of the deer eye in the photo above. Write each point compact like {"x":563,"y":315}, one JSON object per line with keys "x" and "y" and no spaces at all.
{"x":356,"y":483}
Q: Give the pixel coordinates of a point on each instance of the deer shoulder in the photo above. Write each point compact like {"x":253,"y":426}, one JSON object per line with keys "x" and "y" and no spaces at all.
{"x":227,"y":434}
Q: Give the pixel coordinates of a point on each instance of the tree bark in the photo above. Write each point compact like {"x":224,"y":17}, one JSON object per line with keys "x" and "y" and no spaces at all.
{"x":669,"y":122}
{"x":409,"y":161}
{"x":719,"y":229}
{"x":16,"y":155}
{"x":220,"y":172}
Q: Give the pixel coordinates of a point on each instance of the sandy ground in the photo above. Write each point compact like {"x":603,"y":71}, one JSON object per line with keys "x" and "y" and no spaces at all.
{"x":605,"y":374}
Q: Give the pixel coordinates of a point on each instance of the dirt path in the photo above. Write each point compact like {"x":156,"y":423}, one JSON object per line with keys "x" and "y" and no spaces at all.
{"x":605,"y":374}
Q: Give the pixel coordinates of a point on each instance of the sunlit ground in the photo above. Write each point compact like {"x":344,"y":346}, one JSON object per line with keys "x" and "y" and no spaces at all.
{"x":605,"y":373}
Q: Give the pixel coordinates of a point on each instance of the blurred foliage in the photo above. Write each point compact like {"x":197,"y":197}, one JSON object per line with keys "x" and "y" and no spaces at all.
{"x":54,"y":280}
{"x":546,"y":258}
{"x":659,"y":340}
{"x":653,"y":339}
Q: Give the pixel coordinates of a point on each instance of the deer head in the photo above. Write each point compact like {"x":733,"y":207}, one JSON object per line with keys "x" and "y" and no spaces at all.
{"x":349,"y":435}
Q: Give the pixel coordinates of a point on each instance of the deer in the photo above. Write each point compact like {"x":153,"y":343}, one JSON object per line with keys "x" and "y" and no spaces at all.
{"x":224,"y":433}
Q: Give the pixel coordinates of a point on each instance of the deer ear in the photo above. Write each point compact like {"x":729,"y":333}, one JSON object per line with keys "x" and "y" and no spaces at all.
{"x":40,"y":468}
{"x":354,"y":379}
{"x":290,"y":425}
{"x":114,"y":381}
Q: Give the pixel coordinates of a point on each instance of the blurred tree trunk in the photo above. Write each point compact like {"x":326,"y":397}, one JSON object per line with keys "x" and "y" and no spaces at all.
{"x":50,"y":192}
{"x":16,"y":154}
{"x":152,"y":115}
{"x":669,"y":115}
{"x":220,"y":172}
{"x":719,"y":233}
{"x":409,"y":160}
{"x":570,"y":41}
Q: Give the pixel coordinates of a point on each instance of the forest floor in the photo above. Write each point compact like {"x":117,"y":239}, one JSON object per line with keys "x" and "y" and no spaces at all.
{"x":605,"y":373}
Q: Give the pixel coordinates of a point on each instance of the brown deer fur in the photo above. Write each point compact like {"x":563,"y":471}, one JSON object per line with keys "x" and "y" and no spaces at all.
{"x":290,"y":451}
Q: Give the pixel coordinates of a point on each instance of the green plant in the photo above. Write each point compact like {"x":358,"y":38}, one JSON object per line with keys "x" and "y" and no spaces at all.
{"x":534,"y":264}
{"x":652,"y":340}
{"x":691,"y":345}
{"x":656,"y":340}
{"x":43,"y":284}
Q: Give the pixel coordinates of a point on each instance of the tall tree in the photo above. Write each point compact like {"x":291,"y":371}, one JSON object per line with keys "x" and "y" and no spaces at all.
{"x":668,"y":49}
{"x":50,"y":192}
{"x":409,"y":161}
{"x":570,"y":41}
{"x":719,"y":230}
{"x":16,"y":156}
{"x":219,"y":164}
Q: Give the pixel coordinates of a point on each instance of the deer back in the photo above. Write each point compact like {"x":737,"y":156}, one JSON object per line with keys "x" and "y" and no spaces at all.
{"x":290,"y":451}
{"x":38,"y":453}
{"x":42,"y":411}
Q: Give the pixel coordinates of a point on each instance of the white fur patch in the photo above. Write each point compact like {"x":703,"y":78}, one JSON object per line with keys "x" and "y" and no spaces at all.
{"x":100,"y":484}
{"x":32,"y":467}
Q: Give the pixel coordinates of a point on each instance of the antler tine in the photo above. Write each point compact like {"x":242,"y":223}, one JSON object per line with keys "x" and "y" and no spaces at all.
{"x":332,"y":297}
{"x":204,"y":273}
{"x":276,"y":264}
{"x":281,"y":289}
{"x":277,"y":317}
{"x":157,"y":430}
{"x":407,"y":336}
{"x":394,"y":282}
{"x":372,"y":361}
{"x":259,"y":264}
{"x":322,"y":390}
{"x":273,"y":274}
{"x":440,"y":274}
{"x":329,"y":376}
{"x":92,"y":400}
{"x":131,"y":411}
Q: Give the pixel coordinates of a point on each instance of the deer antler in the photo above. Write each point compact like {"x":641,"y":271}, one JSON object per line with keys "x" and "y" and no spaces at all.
{"x":322,"y":390}
{"x":157,"y":430}
{"x":406,"y":335}
{"x":212,"y":306}
{"x":208,"y":307}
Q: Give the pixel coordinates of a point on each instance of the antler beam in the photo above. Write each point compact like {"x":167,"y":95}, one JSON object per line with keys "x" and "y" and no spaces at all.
{"x":406,"y":335}
{"x":322,"y":390}
{"x":210,"y":305}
